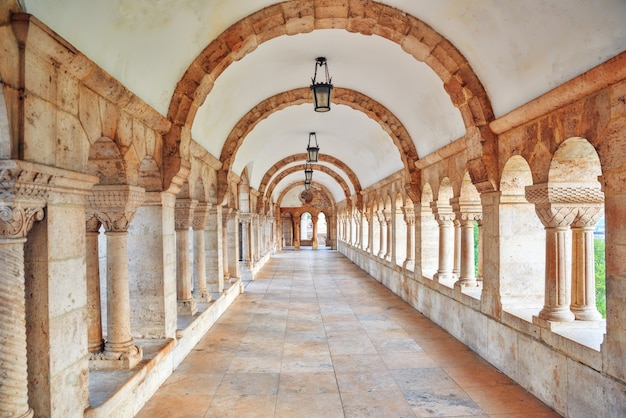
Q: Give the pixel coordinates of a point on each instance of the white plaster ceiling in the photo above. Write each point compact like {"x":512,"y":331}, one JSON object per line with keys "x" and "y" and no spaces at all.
{"x":519,"y":50}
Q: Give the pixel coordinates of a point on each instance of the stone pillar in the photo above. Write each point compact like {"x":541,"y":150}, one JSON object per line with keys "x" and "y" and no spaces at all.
{"x":315,"y":243}
{"x":152,"y":267}
{"x":583,"y":264}
{"x":213,"y":248}
{"x":409,"y":219}
{"x":246,"y":233}
{"x":445,"y":218}
{"x":115,"y":207}
{"x":556,"y":218}
{"x":383,"y":233}
{"x":389,"y":235}
{"x":232,"y":242}
{"x":200,"y":219}
{"x":613,"y":347}
{"x":95,"y":342}
{"x":467,"y":212}
{"x":225,"y":245}
{"x":296,"y":235}
{"x":184,"y":210}
{"x":481,"y":249}
{"x":16,"y":219}
{"x":457,"y":247}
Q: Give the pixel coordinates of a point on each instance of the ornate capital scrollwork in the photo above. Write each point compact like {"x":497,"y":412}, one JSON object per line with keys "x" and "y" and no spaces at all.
{"x":23,"y":194}
{"x":15,"y":222}
{"x":556,"y":216}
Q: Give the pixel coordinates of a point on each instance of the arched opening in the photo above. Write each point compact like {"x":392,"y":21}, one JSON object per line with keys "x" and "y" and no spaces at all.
{"x":306,"y":229}
{"x":574,"y":171}
{"x":322,"y":229}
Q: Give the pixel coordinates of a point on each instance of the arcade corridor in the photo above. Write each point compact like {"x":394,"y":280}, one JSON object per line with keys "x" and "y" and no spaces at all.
{"x":314,"y":335}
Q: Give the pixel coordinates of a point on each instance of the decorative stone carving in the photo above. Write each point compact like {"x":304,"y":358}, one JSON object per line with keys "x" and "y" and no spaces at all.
{"x":115,"y":205}
{"x":184,"y":213}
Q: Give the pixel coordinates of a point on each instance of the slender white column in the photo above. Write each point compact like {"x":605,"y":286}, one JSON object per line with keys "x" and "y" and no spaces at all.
{"x":383,"y":234}
{"x":583,"y":265}
{"x":467,"y":276}
{"x":200,"y":218}
{"x":445,"y":219}
{"x":94,"y":305}
{"x":388,"y":236}
{"x":115,"y":208}
{"x":184,"y":210}
{"x":409,"y":219}
{"x":315,"y":243}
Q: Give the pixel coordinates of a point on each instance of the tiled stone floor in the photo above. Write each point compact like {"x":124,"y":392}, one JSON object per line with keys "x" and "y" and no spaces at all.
{"x":314,"y":336}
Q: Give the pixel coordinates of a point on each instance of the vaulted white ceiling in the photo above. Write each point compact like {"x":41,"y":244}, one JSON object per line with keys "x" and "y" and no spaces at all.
{"x":518,"y":49}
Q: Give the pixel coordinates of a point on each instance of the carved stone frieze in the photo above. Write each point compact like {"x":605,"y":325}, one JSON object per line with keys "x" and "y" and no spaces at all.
{"x":115,"y":205}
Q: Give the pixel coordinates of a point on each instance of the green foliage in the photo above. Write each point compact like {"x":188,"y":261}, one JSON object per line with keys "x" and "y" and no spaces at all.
{"x":600,"y":266}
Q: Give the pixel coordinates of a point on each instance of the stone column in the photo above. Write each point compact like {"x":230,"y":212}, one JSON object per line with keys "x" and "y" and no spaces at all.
{"x":232,"y":242}
{"x":556,"y":218}
{"x":115,"y":208}
{"x":409,"y":219}
{"x":315,"y":243}
{"x":583,"y":264}
{"x":200,"y":219}
{"x":225,"y":245}
{"x":214,"y":248}
{"x":467,"y":212}
{"x":184,"y":210}
{"x":16,"y":219}
{"x":246,"y":233}
{"x":445,"y":219}
{"x":457,"y":246}
{"x":383,"y":233}
{"x":296,"y":235}
{"x":389,"y":235}
{"x":95,"y":342}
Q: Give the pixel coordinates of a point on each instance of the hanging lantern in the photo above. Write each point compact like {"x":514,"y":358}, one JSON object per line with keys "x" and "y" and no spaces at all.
{"x":308,"y":173}
{"x":312,"y":152}
{"x":321,"y":91}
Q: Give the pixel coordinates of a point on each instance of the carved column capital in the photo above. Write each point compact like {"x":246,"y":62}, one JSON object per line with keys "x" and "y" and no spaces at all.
{"x":184,"y":212}
{"x":588,"y":216}
{"x":201,"y":215}
{"x":91,"y":221}
{"x":23,"y":195}
{"x":115,"y":205}
{"x":409,"y":215}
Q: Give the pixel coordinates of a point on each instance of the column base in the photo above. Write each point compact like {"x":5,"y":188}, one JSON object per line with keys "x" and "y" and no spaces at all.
{"x":187,"y":307}
{"x":444,"y":277}
{"x":466,"y":282}
{"x":553,"y":314}
{"x":203,"y":296}
{"x":111,"y":360}
{"x":587,"y":313}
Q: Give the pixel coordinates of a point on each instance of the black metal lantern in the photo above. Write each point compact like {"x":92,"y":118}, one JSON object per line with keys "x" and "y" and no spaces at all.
{"x":321,"y":91}
{"x":308,"y":173}
{"x":312,"y":152}
{"x":307,"y":185}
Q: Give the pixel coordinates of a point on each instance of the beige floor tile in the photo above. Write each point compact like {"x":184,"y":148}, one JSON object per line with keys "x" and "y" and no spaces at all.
{"x":341,"y":347}
{"x":168,"y":406}
{"x":420,"y":360}
{"x":376,"y":404}
{"x":308,"y":382}
{"x":251,"y":364}
{"x":233,"y":384}
{"x":248,"y":406}
{"x":366,"y":381}
{"x":322,"y":405}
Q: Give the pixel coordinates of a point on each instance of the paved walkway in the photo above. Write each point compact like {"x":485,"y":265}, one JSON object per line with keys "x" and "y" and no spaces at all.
{"x":314,"y":336}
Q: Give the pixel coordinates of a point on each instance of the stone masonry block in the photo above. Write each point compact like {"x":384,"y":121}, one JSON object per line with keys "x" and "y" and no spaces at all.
{"x":40,"y":124}
{"x":68,"y":92}
{"x":41,"y":78}
{"x":109,"y":115}
{"x":268,"y":23}
{"x":89,"y":113}
{"x":240,"y":39}
{"x":299,"y":16}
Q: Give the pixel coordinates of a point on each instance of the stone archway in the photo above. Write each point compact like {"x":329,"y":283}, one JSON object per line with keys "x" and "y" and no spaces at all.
{"x":365,"y":17}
